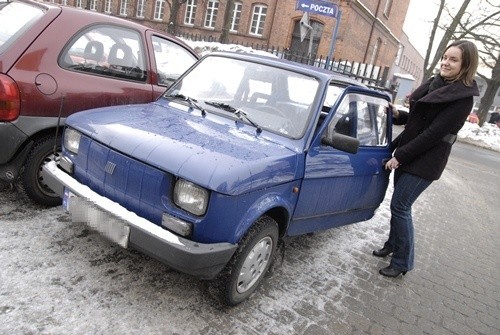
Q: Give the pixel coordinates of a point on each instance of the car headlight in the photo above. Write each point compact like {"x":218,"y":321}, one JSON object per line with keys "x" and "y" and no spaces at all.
{"x":190,"y":197}
{"x":72,"y":140}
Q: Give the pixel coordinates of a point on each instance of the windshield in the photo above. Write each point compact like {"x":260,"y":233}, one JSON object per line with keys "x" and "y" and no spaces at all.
{"x":15,"y":18}
{"x":270,"y":98}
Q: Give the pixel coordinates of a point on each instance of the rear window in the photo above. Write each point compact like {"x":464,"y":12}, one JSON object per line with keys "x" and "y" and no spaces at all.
{"x":15,"y":19}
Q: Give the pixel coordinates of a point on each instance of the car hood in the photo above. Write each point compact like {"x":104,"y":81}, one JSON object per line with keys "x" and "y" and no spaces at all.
{"x":210,"y":151}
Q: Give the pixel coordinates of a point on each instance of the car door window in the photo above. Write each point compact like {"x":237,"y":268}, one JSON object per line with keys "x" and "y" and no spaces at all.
{"x":110,"y":51}
{"x":363,"y":117}
{"x":171,"y":60}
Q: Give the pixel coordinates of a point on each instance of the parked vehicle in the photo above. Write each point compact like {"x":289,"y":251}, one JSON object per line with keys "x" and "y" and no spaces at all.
{"x":57,"y":60}
{"x":241,"y":151}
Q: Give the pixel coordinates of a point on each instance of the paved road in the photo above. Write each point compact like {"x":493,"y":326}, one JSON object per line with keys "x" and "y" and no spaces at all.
{"x":57,"y":277}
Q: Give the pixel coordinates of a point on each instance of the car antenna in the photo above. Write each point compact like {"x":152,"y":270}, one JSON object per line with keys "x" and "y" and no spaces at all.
{"x":58,"y":123}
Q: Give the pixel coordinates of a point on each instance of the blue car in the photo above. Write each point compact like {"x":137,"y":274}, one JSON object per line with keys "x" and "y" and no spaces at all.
{"x":241,"y":151}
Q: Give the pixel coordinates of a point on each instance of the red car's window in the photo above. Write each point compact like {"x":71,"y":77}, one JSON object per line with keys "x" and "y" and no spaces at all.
{"x":106,"y":50}
{"x":171,"y":60}
{"x":15,"y":18}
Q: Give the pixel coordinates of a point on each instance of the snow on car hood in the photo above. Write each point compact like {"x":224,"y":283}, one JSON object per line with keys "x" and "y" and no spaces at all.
{"x":210,"y":151}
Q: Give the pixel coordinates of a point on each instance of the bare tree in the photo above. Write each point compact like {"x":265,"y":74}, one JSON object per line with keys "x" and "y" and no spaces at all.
{"x":435,"y":26}
{"x":174,"y":10}
{"x":481,"y":25}
{"x":485,"y":31}
{"x":224,"y":37}
{"x":491,"y":91}
{"x":449,"y":30}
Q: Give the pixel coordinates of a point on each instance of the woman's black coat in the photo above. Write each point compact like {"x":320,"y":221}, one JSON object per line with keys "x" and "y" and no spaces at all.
{"x":421,"y":149}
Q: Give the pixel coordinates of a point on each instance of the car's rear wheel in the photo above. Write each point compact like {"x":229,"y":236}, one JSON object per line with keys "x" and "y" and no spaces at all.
{"x":31,"y":179}
{"x":249,"y":264}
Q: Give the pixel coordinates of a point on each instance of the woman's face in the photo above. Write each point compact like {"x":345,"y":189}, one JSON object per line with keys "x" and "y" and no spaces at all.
{"x":451,"y":63}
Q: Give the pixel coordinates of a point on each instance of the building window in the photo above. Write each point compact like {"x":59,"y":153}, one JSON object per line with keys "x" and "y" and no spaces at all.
{"x":64,"y":2}
{"x":93,"y":5}
{"x":235,"y":20}
{"x":107,"y":6}
{"x":158,"y":15}
{"x":190,"y":12}
{"x":388,"y":7}
{"x":78,"y":4}
{"x":211,"y":15}
{"x":258,"y":20}
{"x":123,"y":7}
{"x":140,"y":8}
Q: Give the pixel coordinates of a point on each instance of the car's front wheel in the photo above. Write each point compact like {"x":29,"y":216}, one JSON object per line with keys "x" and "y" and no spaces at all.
{"x":31,"y":179}
{"x":250,"y":262}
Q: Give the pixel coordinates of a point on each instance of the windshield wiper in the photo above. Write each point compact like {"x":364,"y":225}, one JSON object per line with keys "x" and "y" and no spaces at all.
{"x":191,"y":101}
{"x":236,"y":111}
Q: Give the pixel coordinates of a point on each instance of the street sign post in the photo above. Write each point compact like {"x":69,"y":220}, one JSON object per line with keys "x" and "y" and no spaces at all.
{"x":305,"y":28}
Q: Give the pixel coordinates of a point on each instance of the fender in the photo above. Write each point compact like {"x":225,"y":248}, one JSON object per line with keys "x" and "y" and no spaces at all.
{"x":282,"y":197}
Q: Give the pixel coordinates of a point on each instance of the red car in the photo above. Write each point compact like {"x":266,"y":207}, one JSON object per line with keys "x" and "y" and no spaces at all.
{"x":57,"y":60}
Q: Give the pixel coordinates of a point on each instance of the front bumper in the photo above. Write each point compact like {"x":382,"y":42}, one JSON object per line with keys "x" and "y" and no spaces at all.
{"x":201,"y":260}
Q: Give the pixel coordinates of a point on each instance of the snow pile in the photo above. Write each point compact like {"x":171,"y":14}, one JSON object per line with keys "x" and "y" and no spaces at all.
{"x":202,"y":48}
{"x":487,"y":136}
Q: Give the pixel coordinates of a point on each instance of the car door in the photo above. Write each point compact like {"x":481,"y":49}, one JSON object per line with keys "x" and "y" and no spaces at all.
{"x":339,"y":187}
{"x":104,"y":65}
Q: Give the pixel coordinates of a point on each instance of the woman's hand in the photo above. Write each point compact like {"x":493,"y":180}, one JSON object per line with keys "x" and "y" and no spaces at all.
{"x":392,"y":164}
{"x":395,"y":112}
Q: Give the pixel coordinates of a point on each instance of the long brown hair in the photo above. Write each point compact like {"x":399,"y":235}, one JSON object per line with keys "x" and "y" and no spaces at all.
{"x":470,"y":61}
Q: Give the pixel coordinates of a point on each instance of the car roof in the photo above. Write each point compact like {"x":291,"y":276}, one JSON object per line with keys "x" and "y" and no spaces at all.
{"x":96,"y":16}
{"x":272,"y":60}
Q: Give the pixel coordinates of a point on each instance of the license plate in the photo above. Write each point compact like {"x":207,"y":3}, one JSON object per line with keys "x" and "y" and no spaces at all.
{"x":83,"y":210}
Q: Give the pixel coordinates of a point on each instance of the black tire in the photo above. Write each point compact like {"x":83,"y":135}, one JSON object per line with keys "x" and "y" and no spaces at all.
{"x":31,"y":180}
{"x":256,"y":253}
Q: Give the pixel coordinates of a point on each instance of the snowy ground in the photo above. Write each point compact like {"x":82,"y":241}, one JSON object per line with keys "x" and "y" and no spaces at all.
{"x":487,"y":136}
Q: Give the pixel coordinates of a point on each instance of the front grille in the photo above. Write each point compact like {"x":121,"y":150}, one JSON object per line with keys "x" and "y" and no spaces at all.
{"x":137,"y":186}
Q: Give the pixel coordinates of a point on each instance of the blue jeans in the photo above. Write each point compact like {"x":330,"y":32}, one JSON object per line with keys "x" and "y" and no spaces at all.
{"x":407,"y":188}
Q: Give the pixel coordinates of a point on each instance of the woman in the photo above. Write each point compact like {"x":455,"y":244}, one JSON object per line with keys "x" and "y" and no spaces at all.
{"x":438,"y":109}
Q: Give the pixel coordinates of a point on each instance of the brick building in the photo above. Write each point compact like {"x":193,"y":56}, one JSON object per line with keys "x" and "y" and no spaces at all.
{"x":369,"y":30}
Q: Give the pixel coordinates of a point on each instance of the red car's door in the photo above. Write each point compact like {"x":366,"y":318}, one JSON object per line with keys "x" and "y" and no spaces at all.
{"x":101,"y":65}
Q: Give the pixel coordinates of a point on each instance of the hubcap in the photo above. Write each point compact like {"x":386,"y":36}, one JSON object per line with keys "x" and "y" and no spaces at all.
{"x":254,"y":265}
{"x":43,"y":187}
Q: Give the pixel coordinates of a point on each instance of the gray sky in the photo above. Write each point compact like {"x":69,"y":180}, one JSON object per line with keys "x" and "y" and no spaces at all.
{"x":418,"y":23}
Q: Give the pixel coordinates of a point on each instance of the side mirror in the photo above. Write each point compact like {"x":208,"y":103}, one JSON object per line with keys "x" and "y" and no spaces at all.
{"x":341,"y":142}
